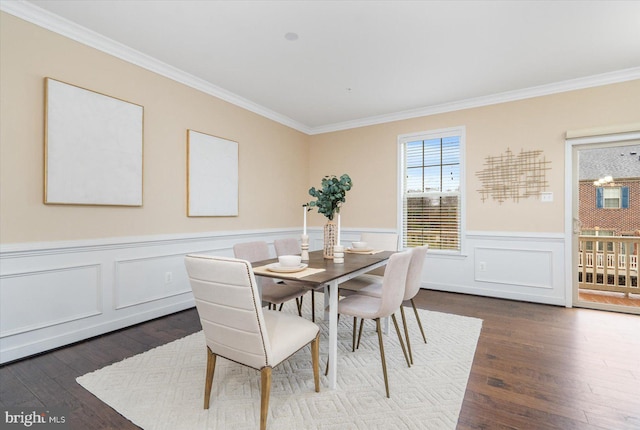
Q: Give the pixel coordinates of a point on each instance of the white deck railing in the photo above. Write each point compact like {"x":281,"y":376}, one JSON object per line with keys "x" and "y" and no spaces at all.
{"x":609,"y":263}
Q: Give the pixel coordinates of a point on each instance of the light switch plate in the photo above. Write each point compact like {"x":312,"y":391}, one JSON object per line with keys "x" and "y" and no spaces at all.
{"x":546,"y":197}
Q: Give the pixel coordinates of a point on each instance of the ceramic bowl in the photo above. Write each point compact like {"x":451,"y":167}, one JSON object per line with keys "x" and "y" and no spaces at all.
{"x":359,"y":245}
{"x":289,"y":260}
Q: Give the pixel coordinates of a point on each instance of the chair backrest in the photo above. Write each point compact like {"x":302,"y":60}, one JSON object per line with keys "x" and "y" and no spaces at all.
{"x":288,"y":246}
{"x":414,"y":275}
{"x":384,"y":241}
{"x":252,"y":252}
{"x":393,"y":283}
{"x":229,"y":308}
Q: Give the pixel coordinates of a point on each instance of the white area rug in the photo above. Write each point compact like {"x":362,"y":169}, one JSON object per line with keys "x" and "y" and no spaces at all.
{"x":164,"y":387}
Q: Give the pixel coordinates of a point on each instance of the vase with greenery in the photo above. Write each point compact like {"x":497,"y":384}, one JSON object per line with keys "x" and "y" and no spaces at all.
{"x":329,"y":199}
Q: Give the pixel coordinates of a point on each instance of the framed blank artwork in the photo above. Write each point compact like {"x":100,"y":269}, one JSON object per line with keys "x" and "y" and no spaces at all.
{"x":93,"y":147}
{"x":212,"y":175}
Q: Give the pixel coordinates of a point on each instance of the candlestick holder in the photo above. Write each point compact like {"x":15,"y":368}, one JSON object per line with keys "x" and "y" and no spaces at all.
{"x":305,"y":247}
{"x":338,"y":254}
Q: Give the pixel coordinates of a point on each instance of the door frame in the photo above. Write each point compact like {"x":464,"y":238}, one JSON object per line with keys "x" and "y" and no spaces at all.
{"x":573,"y":143}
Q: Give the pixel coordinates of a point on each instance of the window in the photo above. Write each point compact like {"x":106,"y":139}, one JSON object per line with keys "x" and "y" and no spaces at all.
{"x":612,"y":197}
{"x":431,"y":189}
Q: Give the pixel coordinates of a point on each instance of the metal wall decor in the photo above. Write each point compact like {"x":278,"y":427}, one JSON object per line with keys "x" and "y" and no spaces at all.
{"x":510,"y":176}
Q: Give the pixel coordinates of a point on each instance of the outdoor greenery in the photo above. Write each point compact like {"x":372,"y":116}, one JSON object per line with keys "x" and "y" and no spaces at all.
{"x":332,"y":194}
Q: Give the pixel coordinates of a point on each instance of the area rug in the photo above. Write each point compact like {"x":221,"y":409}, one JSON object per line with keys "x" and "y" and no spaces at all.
{"x":163,"y":388}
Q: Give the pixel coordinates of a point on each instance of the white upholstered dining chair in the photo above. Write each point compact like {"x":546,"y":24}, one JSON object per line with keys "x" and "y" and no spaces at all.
{"x":273,"y":292}
{"x":237,"y":328}
{"x":370,"y":307}
{"x":384,"y":241}
{"x":412,"y":287}
{"x":377,"y":241}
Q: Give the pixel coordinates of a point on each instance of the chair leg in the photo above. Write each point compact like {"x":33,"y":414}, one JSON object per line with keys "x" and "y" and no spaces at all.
{"x":299,"y":304}
{"x":315,"y":360}
{"x":384,"y":362}
{"x":419,"y":322}
{"x":355,"y":323}
{"x":313,"y":306}
{"x":404,"y":351}
{"x":208,"y":381}
{"x":280,"y":307}
{"x":406,"y":333}
{"x":265,"y":385}
{"x":360,"y":333}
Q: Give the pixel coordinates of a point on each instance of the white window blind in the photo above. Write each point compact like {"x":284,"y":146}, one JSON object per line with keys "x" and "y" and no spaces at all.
{"x":431,"y":191}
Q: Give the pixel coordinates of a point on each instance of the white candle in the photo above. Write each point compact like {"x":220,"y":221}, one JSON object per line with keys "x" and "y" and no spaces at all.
{"x":338,"y":241}
{"x":304,"y":228}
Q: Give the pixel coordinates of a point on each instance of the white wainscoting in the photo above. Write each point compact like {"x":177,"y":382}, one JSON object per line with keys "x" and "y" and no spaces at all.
{"x":53,"y":294}
{"x":47,"y":291}
{"x":518,"y":266}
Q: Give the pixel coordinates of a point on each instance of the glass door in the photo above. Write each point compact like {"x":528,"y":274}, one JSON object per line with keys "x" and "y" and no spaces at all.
{"x":606,"y":226}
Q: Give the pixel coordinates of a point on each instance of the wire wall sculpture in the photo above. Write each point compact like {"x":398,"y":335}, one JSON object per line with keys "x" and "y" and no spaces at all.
{"x":515,"y":177}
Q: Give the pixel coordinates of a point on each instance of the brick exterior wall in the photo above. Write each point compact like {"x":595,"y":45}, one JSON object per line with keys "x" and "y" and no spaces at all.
{"x":622,"y":221}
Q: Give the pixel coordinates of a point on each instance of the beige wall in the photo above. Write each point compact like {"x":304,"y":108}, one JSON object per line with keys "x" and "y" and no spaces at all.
{"x":273,"y":176}
{"x":369,"y":155}
{"x":277,"y":164}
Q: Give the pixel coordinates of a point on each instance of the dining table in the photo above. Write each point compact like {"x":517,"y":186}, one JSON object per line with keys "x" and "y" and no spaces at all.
{"x":324,"y":272}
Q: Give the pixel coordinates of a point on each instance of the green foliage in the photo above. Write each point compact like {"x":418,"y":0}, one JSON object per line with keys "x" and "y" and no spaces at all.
{"x":330,"y":198}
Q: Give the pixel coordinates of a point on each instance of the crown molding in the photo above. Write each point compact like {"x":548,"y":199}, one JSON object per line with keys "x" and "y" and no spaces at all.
{"x":509,"y":96}
{"x":45,"y":19}
{"x":42,"y":18}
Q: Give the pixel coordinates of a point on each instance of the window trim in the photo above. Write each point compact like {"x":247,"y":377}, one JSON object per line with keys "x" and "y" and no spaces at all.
{"x":427,"y":135}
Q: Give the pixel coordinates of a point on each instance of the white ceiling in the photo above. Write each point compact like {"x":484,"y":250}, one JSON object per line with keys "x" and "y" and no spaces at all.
{"x":359,"y":62}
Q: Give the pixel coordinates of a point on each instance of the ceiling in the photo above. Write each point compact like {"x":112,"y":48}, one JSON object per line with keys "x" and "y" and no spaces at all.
{"x":360,"y":62}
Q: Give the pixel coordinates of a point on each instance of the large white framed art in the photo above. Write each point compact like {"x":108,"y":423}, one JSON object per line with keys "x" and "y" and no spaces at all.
{"x":93,"y":147}
{"x":212,"y":175}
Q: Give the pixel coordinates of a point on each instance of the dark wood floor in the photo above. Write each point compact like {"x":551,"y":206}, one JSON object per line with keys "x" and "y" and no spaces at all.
{"x":536,"y":367}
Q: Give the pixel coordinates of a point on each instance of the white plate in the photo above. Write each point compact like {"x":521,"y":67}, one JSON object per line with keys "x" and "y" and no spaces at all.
{"x":276,"y":267}
{"x":360,"y":249}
